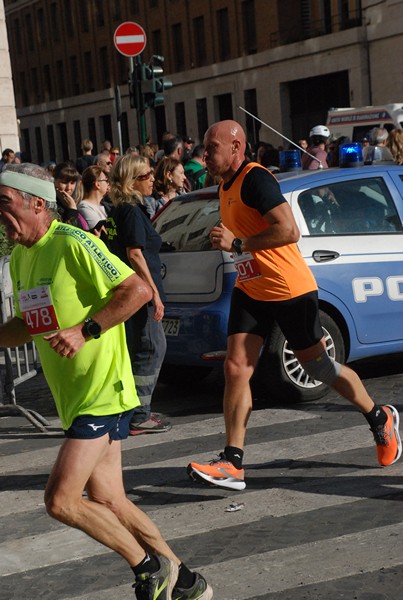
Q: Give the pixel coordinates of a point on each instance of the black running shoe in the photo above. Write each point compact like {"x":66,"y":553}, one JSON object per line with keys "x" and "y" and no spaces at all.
{"x":158,"y":585}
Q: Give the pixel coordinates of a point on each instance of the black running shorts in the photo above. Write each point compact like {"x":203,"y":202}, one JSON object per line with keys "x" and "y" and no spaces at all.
{"x":297,"y":318}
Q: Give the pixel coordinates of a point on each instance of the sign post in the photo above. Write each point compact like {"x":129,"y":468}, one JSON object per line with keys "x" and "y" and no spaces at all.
{"x":118,"y":107}
{"x":130,"y":40}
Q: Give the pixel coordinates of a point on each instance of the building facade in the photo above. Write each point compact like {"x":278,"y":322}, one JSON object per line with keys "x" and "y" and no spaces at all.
{"x":287,"y":61}
{"x":8,"y":119}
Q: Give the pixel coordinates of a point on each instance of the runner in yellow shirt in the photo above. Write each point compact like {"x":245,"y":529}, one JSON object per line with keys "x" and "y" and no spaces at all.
{"x":72,"y":297}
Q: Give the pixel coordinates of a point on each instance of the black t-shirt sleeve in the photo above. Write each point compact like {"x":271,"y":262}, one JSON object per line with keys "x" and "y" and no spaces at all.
{"x":130,"y":226}
{"x":260,"y":190}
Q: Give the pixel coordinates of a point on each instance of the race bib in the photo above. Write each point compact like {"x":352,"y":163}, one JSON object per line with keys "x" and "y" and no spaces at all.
{"x":246,"y":266}
{"x":38,"y":311}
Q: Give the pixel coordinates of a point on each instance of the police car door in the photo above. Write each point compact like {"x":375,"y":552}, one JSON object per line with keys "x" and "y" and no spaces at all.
{"x":352,"y":239}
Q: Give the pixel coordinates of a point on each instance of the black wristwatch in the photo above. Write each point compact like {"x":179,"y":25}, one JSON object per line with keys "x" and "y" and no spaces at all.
{"x":237,"y":245}
{"x":91,"y":328}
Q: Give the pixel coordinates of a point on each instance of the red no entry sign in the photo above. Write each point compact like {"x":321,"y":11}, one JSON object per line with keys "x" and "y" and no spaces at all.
{"x":130,"y":39}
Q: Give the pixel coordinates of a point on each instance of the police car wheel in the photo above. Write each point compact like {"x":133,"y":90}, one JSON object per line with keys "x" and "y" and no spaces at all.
{"x":279,"y":377}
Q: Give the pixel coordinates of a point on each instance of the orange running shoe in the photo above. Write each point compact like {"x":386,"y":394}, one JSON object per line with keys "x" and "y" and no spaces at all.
{"x":387,"y":438}
{"x":220,"y":472}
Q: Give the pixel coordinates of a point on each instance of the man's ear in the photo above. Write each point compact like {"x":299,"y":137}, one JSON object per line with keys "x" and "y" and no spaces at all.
{"x":39,"y":204}
{"x":236,"y":144}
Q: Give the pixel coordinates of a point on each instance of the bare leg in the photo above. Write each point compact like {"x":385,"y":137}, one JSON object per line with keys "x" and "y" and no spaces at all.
{"x":242,"y":355}
{"x":105,"y":486}
{"x":77,"y":462}
{"x":348,"y":384}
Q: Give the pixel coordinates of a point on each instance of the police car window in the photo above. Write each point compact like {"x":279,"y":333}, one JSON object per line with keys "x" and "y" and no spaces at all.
{"x":184,"y":225}
{"x":358,"y":206}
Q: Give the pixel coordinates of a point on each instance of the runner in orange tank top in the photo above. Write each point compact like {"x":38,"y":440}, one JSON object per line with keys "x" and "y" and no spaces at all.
{"x":273,"y":282}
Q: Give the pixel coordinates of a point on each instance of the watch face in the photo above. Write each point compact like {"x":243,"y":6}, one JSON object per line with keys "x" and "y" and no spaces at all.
{"x":237,"y":243}
{"x":93,"y":328}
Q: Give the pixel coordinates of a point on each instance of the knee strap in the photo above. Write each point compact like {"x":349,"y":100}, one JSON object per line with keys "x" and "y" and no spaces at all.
{"x":323,"y":368}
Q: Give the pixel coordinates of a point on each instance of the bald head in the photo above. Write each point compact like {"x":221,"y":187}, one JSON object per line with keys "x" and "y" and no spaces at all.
{"x":225,"y":145}
{"x":229,"y":131}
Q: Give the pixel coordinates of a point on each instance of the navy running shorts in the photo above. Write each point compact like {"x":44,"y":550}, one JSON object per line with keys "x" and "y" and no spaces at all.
{"x":86,"y":427}
{"x":297,"y":318}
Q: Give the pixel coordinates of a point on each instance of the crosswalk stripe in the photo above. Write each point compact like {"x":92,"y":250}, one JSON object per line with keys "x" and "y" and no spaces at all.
{"x":53,"y":547}
{"x":252,"y":575}
{"x":315,"y":444}
{"x":67,"y":544}
{"x":337,"y":557}
{"x":122,"y":591}
{"x":46,"y":456}
{"x":10,"y":440}
{"x":325,"y":443}
{"x":298,"y":566}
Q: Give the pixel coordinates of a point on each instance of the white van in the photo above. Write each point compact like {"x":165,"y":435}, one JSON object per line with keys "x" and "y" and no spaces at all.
{"x":356,"y":123}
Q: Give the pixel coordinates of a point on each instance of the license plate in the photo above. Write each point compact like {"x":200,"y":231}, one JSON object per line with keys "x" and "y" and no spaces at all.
{"x":171,"y":326}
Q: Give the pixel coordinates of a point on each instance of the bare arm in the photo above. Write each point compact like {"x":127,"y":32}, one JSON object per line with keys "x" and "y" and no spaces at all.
{"x":14,"y":333}
{"x":282,"y":230}
{"x":139,"y":264}
{"x":128,"y":297}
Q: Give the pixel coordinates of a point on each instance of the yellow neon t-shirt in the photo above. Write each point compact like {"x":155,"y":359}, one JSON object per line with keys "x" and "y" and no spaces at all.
{"x":78,"y":273}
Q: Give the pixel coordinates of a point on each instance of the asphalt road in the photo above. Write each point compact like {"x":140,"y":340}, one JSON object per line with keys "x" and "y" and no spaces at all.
{"x":320,"y":520}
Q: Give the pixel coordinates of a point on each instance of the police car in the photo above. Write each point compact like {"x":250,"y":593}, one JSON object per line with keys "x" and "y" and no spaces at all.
{"x":351,"y":237}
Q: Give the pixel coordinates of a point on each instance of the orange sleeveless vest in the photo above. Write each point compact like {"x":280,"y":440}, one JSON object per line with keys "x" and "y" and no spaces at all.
{"x":284,"y":272}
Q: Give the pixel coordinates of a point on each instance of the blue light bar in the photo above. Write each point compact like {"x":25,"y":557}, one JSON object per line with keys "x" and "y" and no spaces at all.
{"x":350,"y":155}
{"x":290,"y":160}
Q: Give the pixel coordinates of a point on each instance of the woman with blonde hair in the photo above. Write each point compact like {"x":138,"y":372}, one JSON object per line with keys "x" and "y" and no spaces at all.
{"x":133,"y":238}
{"x":395,"y":145}
{"x":148,"y":152}
{"x":169,"y":181}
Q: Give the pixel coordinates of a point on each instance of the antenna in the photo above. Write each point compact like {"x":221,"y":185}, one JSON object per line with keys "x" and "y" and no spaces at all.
{"x":281,"y":135}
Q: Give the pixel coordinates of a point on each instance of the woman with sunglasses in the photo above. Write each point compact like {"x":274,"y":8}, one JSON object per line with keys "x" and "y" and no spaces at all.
{"x":114,"y":154}
{"x":169,"y":181}
{"x":95,"y":184}
{"x":133,"y":238}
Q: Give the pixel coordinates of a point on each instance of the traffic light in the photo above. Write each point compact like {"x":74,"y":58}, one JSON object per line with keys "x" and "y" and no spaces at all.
{"x":154,"y":84}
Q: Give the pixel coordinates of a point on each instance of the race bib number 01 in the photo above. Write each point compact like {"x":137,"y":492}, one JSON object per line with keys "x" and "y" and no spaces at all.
{"x":246,"y":266}
{"x":38,"y":311}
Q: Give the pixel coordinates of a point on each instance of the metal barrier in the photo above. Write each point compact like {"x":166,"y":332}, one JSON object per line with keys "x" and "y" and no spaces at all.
{"x":17,"y":364}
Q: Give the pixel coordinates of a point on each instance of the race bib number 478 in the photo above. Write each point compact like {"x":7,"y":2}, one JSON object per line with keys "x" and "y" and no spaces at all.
{"x":38,"y":311}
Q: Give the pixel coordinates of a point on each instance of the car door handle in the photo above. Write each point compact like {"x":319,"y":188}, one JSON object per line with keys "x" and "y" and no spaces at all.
{"x":324,"y":255}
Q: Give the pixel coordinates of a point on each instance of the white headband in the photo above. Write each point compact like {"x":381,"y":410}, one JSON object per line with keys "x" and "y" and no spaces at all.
{"x":30,"y":184}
